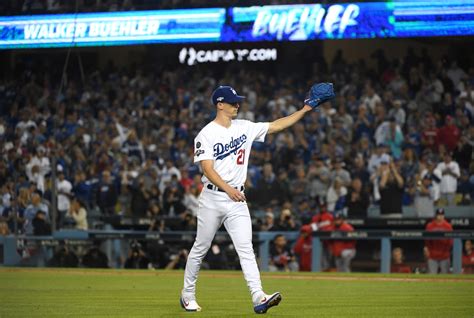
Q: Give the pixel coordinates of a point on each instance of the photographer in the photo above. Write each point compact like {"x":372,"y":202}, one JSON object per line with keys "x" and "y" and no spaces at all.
{"x":286,"y":222}
{"x":178,"y":261}
{"x":136,"y":258}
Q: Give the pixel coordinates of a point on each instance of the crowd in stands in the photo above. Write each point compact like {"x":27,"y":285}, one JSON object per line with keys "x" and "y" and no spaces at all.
{"x":119,"y":143}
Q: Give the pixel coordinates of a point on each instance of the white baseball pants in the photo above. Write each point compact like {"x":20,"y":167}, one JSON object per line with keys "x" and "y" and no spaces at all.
{"x":216,"y":208}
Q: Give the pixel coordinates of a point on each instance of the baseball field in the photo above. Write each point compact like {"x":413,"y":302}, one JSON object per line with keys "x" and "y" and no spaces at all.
{"x":125,"y":293}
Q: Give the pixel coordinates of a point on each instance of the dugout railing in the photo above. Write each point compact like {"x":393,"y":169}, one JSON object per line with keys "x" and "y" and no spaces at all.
{"x":9,"y":255}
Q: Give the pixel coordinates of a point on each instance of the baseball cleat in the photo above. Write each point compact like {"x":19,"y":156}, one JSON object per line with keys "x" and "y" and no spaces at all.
{"x":267,"y":302}
{"x":189,"y":305}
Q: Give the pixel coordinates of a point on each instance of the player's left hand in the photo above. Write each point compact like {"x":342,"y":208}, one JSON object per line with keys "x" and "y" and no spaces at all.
{"x":236,"y":195}
{"x":319,"y":93}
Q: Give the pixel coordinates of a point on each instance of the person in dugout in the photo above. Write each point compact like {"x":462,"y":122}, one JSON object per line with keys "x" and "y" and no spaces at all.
{"x":303,"y":248}
{"x":342,"y":250}
{"x":323,"y":221}
{"x":438,"y":252}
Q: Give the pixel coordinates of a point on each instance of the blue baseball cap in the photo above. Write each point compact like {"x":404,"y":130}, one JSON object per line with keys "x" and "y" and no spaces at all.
{"x":226,"y":94}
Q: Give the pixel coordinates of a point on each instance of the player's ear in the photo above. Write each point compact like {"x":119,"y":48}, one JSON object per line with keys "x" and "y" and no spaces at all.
{"x":220,"y":105}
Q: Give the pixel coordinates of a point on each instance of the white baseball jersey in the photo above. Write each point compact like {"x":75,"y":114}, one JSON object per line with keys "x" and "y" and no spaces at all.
{"x":229,"y":148}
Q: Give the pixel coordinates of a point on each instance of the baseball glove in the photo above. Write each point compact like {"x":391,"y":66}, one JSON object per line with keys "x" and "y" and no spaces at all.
{"x":319,"y":93}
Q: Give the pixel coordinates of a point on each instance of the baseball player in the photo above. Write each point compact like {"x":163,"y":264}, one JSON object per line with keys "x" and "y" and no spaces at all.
{"x":222,"y":148}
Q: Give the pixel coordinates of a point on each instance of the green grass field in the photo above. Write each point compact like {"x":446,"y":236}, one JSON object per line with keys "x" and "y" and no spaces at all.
{"x":120,"y":293}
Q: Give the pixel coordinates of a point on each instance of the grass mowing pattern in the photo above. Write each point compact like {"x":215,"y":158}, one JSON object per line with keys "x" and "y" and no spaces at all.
{"x":120,"y":293}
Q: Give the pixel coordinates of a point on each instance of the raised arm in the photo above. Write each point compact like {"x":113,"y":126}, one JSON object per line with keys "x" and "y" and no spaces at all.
{"x":208,"y":170}
{"x":318,"y":94}
{"x":288,"y":121}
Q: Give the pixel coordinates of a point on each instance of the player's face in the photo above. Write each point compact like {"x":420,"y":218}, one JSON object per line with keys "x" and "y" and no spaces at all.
{"x":231,"y":109}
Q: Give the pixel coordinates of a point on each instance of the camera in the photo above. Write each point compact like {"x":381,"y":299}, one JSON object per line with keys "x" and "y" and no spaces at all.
{"x":135,"y":246}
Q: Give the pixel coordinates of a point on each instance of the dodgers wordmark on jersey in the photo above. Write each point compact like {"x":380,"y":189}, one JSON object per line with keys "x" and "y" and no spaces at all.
{"x":229,"y":148}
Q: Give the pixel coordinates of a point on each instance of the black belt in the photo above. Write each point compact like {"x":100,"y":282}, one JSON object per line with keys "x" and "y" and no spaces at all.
{"x":214,"y":188}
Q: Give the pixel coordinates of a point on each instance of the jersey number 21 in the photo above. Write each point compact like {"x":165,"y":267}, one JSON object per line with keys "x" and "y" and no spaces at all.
{"x":241,"y":157}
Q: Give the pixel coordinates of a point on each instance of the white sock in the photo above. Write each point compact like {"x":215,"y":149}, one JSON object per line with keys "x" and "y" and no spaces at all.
{"x":257,"y":297}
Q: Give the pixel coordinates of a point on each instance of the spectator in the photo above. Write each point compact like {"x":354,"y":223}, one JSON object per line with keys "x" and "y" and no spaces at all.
{"x":468,"y":258}
{"x":41,"y":224}
{"x":167,"y":173}
{"x":300,"y":186}
{"x":336,"y":196}
{"x":391,"y":189}
{"x":359,"y":171}
{"x":4,"y":230}
{"x":342,"y":250}
{"x":398,"y":113}
{"x":424,"y":197}
{"x":303,"y":248}
{"x":286,"y":222}
{"x":156,"y":221}
{"x":32,"y":210}
{"x":303,"y":213}
{"x":465,"y":147}
{"x":319,"y":176}
{"x":64,"y":188}
{"x":83,"y":188}
{"x":357,"y":200}
{"x":341,"y":173}
{"x":435,"y":177}
{"x":268,"y":191}
{"x":107,"y":194}
{"x":449,"y":134}
{"x":466,"y":188}
{"x":78,"y":213}
{"x":379,"y":155}
{"x":390,"y":133}
{"x":450,"y":172}
{"x":140,"y":198}
{"x":173,"y":197}
{"x":282,"y":258}
{"x":188,"y":222}
{"x":398,"y":264}
{"x":269,"y":222}
{"x":38,"y":167}
{"x":191,"y":199}
{"x":371,"y":98}
{"x":438,"y":252}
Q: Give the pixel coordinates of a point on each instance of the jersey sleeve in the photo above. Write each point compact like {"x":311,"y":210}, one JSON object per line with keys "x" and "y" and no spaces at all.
{"x":202,"y":149}
{"x":259,"y":131}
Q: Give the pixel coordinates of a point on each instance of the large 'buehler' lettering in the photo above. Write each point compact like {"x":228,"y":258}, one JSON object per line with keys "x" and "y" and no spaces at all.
{"x":300,"y":22}
{"x":223,"y":150}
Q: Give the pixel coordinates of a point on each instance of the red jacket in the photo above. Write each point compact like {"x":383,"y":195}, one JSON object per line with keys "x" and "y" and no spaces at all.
{"x":449,"y":136}
{"x":439,"y":249}
{"x":303,"y":248}
{"x":323,"y":220}
{"x":468,"y":263}
{"x":400,"y":268}
{"x":336,"y":246}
